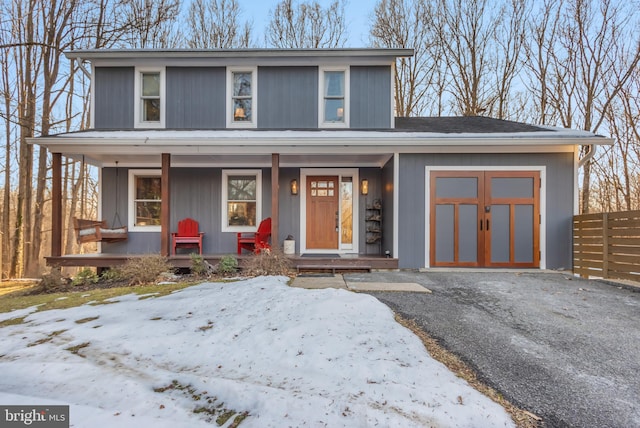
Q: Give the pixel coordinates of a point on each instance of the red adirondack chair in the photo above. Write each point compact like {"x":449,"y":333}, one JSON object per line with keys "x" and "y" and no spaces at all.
{"x":256,"y":241}
{"x":187,"y":235}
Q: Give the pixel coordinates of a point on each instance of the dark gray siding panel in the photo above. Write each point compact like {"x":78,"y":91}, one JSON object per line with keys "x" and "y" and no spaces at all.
{"x":287,"y":97}
{"x":370,"y":97}
{"x":195,"y":193}
{"x":289,"y":207}
{"x":387,"y":206}
{"x":114,"y":97}
{"x":559,"y":200}
{"x":196,"y":97}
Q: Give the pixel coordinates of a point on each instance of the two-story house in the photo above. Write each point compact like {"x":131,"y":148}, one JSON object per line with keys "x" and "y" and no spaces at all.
{"x":309,"y":138}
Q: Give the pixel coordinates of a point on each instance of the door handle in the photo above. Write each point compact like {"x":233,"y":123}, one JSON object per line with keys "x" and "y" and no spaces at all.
{"x":337,"y":222}
{"x":487,"y":224}
{"x":481,"y":225}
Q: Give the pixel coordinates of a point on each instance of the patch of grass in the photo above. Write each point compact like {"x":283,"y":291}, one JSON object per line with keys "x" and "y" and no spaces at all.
{"x":212,"y":410}
{"x":86,"y":320}
{"x":12,"y":321}
{"x":77,"y":298}
{"x":49,"y":338}
{"x":76,"y":349}
{"x":521,"y":417}
{"x":7,"y":287}
{"x":209,"y":326}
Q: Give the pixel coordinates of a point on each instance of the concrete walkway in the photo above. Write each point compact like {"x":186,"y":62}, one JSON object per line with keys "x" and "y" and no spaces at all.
{"x":338,"y":281}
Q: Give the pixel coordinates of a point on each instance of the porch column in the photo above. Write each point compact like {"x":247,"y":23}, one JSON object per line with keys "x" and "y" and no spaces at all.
{"x":56,"y":205}
{"x":165,"y":207}
{"x":275,"y":198}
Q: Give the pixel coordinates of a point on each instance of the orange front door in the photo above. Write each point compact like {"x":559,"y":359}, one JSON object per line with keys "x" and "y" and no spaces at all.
{"x":322,"y":212}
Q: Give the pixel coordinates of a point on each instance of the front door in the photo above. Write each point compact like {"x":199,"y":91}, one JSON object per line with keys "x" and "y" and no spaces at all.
{"x":485,"y":218}
{"x":322,"y":212}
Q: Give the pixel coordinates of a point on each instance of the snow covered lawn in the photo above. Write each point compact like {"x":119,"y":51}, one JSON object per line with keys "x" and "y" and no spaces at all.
{"x":281,"y":356}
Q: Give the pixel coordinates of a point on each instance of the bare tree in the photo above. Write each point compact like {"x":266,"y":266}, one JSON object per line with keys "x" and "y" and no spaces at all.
{"x":307,"y":25}
{"x":482,"y":41}
{"x":215,"y":24}
{"x":588,"y":61}
{"x":149,"y":24}
{"x":418,"y":80}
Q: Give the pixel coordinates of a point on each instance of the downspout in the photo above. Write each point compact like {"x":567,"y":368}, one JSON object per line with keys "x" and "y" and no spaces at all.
{"x":587,"y":156}
{"x":81,"y":67}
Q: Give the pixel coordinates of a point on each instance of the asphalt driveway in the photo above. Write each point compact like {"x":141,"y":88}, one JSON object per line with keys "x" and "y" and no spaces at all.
{"x":563,"y":348}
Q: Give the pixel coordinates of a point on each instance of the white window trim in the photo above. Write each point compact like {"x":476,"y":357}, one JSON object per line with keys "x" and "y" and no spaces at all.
{"x":225,"y":215}
{"x":131,"y":198}
{"x":139,"y":123}
{"x":321,"y":120}
{"x":254,"y":97}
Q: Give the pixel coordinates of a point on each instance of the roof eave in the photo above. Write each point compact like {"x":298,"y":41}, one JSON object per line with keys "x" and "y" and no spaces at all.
{"x":91,"y":54}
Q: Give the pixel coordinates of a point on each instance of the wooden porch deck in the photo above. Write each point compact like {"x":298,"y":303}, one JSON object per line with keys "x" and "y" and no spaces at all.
{"x":300,"y":263}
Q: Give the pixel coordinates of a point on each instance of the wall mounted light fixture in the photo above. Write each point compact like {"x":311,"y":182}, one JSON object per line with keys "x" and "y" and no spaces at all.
{"x":364,"y":186}
{"x":294,"y":186}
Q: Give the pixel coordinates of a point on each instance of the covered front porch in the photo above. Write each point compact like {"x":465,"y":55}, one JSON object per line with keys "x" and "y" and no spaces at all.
{"x":193,"y":174}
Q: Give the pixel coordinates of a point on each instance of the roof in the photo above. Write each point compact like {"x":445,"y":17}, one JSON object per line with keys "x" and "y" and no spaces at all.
{"x":465,"y":124}
{"x":370,"y":147}
{"x":90,"y":54}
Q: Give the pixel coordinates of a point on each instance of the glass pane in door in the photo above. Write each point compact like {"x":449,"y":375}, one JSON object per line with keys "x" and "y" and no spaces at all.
{"x":445,"y":233}
{"x":467,"y":233}
{"x":499,"y":229}
{"x":523,"y":231}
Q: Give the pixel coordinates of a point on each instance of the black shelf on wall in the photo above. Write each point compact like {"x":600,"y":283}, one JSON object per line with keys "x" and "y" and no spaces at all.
{"x":373,"y":225}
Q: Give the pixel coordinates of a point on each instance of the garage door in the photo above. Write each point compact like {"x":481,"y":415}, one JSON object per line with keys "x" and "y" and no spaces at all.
{"x":485,"y":218}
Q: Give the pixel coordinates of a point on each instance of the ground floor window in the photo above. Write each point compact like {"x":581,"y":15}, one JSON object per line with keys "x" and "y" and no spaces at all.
{"x":145,"y":200}
{"x":241,"y":200}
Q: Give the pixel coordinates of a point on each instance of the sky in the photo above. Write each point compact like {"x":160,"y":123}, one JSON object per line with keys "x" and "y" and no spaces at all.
{"x":357,"y":14}
{"x":284,"y":356}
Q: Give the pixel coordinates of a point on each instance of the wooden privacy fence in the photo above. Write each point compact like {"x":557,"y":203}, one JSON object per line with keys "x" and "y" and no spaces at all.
{"x":607,"y":245}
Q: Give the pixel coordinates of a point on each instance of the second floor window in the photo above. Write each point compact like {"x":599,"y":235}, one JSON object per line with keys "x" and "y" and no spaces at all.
{"x":242,"y":94}
{"x":334,"y":96}
{"x":150,"y":98}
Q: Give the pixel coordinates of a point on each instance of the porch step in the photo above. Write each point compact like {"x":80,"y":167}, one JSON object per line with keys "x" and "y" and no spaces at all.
{"x":333,"y":268}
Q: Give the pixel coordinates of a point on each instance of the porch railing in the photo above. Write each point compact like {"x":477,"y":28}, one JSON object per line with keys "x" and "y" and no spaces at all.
{"x":607,"y":245}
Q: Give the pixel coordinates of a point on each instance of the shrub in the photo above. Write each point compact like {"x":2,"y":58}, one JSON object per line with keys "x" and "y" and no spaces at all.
{"x":268,"y":262}
{"x":228,"y":265}
{"x":52,"y":282}
{"x":199,"y":265}
{"x":145,"y":269}
{"x":85,"y":276}
{"x":112,"y":274}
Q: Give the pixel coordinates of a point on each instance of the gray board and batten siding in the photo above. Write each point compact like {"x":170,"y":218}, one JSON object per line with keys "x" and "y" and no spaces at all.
{"x":113,"y":97}
{"x":559,"y":200}
{"x":287,"y":97}
{"x":370,"y":94}
{"x":195,"y":97}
